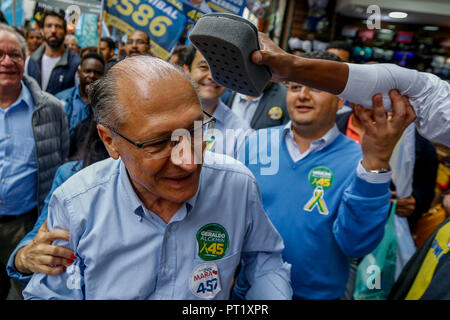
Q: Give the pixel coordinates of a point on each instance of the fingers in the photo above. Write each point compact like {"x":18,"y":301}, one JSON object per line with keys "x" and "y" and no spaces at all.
{"x":410,"y":113}
{"x":366,"y":119}
{"x":57,"y":234}
{"x":53,"y":261}
{"x":58,"y":251}
{"x":379,"y":114}
{"x":51,"y":270}
{"x":257,"y":57}
{"x":398,"y":109}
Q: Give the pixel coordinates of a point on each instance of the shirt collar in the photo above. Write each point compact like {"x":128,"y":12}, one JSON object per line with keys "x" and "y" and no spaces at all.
{"x":220,"y":112}
{"x":25,"y":97}
{"x":244,"y":99}
{"x":77,"y":93}
{"x":322,"y":142}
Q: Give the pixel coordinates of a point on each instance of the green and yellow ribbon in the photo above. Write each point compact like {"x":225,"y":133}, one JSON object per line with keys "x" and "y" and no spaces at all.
{"x":317,"y":200}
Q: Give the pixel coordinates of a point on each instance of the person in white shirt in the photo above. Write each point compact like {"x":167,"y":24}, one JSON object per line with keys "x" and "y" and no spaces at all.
{"x":428,"y":95}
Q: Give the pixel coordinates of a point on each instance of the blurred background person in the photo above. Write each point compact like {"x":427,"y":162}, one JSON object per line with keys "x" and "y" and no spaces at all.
{"x":107,"y":48}
{"x":34,"y":40}
{"x":72,"y":43}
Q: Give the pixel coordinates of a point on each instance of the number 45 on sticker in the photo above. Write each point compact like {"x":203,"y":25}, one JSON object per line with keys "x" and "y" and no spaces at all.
{"x":214,"y":248}
{"x":210,"y":286}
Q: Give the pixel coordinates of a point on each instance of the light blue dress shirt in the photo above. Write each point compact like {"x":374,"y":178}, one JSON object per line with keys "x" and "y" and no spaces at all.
{"x":125,"y":251}
{"x":229,"y":131}
{"x":76,"y":109}
{"x":18,"y":162}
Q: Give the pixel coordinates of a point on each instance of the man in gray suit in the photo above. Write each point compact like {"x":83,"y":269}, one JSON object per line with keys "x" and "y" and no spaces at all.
{"x":267,"y":110}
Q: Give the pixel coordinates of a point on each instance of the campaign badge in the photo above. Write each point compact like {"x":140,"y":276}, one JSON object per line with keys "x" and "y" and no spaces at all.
{"x":320,"y":178}
{"x":210,"y":142}
{"x":204,"y":281}
{"x":212,"y":242}
{"x":275,"y":113}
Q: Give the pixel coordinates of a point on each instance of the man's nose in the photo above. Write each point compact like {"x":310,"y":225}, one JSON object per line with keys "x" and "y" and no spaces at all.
{"x":7,"y":60}
{"x":304,"y":93}
{"x":183,"y":156}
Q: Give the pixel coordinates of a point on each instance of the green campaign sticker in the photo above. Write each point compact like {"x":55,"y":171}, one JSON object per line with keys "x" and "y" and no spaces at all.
{"x":321,"y":176}
{"x":212,"y":242}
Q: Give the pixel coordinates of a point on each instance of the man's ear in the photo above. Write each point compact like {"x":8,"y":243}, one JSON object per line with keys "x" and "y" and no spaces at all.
{"x":108,"y":140}
{"x":186,"y":68}
{"x":341,"y":103}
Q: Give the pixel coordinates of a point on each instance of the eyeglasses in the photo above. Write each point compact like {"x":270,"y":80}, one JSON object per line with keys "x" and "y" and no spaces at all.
{"x":138,"y":42}
{"x":297,"y":87}
{"x":158,"y":148}
{"x":14,"y":55}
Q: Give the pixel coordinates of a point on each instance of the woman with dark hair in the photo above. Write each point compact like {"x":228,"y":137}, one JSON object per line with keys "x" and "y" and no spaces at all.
{"x":35,"y":252}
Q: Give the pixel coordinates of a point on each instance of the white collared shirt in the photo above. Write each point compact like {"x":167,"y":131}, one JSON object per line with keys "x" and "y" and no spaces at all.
{"x":427,"y":93}
{"x":245,"y":108}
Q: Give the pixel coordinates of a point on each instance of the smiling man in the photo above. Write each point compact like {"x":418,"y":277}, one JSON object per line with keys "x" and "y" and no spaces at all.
{"x":329,"y":200}
{"x":53,"y":66}
{"x":34,"y":140}
{"x":145,"y":225}
{"x":230,"y":130}
{"x":77,"y":102}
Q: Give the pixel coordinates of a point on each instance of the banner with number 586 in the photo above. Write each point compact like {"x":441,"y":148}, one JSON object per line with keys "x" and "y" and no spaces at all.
{"x":162,"y":20}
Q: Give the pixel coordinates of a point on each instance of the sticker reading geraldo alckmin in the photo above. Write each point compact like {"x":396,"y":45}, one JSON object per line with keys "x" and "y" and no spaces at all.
{"x":213,"y":241}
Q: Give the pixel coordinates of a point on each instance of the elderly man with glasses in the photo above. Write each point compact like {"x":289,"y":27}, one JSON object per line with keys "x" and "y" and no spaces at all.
{"x":160,"y":219}
{"x":34,"y":140}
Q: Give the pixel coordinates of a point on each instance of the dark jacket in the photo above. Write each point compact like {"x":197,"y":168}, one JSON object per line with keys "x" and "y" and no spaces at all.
{"x":274,"y":96}
{"x":51,"y":136}
{"x":63,"y":74}
{"x":438,"y":287}
{"x":425,"y":170}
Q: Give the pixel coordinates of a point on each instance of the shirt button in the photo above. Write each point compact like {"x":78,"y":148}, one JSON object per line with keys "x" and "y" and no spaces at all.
{"x":7,"y":158}
{"x":166,"y":270}
{"x":3,"y":180}
{"x":9,"y":136}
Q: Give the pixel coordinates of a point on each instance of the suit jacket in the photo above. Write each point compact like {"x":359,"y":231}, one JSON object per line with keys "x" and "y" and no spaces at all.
{"x":267,"y":114}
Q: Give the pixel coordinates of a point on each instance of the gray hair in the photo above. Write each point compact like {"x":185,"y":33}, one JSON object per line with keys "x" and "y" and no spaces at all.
{"x":23,"y":44}
{"x":139,"y":69}
{"x":71,"y":36}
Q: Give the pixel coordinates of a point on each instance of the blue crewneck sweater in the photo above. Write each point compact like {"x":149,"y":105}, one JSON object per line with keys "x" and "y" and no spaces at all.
{"x":319,"y":242}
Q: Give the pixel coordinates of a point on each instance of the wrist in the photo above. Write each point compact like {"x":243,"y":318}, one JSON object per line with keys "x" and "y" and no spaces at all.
{"x":18,"y":263}
{"x":375,"y":165}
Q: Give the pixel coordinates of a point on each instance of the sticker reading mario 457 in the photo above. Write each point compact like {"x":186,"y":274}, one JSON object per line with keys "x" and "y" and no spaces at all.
{"x":212,"y":240}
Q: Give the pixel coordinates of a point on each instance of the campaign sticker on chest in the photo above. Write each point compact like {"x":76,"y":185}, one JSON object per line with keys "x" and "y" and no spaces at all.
{"x":320,"y":178}
{"x":212,"y":242}
{"x":204,"y":281}
{"x":275,"y":113}
{"x":210,"y":142}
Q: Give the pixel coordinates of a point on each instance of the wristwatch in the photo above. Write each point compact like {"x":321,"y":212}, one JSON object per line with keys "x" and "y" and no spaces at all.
{"x":381,"y":170}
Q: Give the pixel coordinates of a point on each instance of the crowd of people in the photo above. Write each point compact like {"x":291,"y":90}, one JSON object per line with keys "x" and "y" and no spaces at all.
{"x":124,"y":176}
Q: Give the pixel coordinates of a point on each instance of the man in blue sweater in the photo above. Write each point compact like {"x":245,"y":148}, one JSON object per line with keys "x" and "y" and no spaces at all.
{"x":328,"y":200}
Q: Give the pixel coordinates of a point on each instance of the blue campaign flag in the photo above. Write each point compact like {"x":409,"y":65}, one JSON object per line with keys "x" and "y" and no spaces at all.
{"x":194,"y":9}
{"x":7,"y":9}
{"x":162,"y":20}
{"x":86,"y":30}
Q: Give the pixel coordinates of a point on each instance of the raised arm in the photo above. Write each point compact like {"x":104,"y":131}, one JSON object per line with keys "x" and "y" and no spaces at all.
{"x":429,"y":96}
